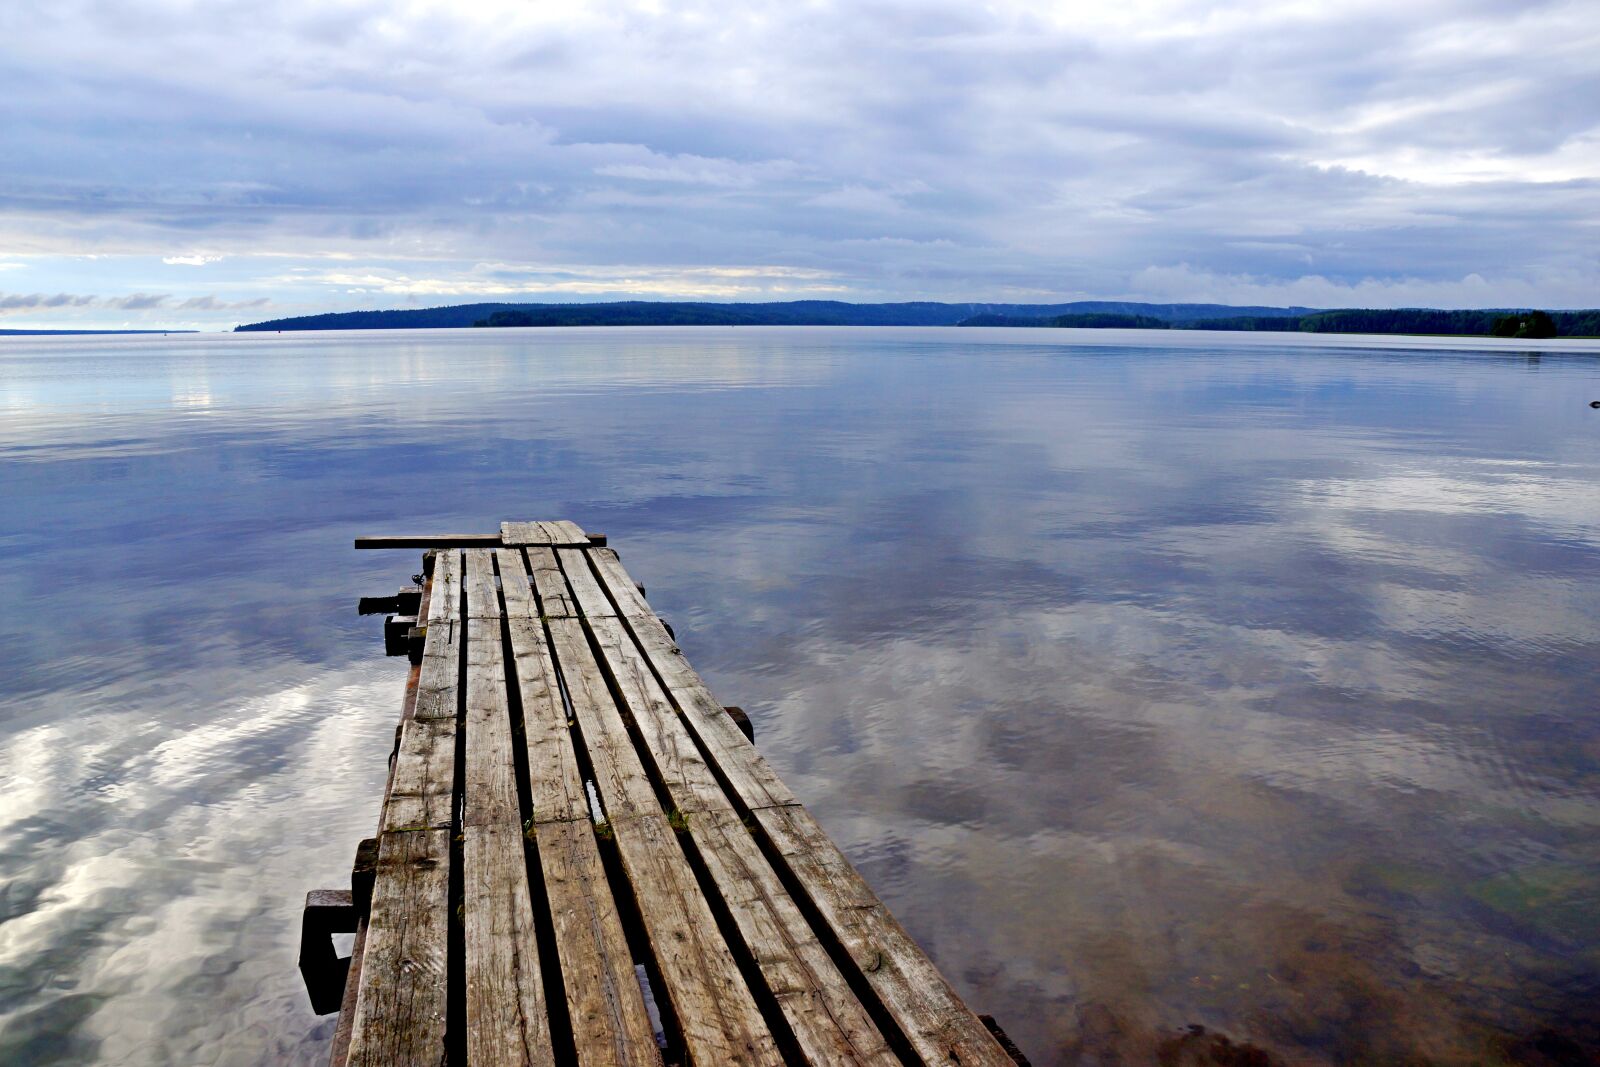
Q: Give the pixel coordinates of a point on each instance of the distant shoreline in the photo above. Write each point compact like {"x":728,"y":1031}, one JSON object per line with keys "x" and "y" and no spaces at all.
{"x":1086,"y":314}
{"x":705,"y":313}
{"x":77,"y":333}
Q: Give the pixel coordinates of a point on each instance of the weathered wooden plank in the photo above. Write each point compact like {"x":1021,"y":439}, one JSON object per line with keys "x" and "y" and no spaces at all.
{"x":400,"y":1008}
{"x":421,"y":791}
{"x":480,"y":584}
{"x":940,"y":1028}
{"x":823,"y":1012}
{"x":438,"y":684}
{"x":747,"y":771}
{"x":399,"y":1012}
{"x":508,"y":1022}
{"x":507,"y":1019}
{"x":542,"y":533}
{"x":444,"y":601}
{"x":610,"y":1025}
{"x":522,"y":533}
{"x":339,"y":1053}
{"x":515,"y":586}
{"x":553,"y":771}
{"x":719,"y":1018}
{"x":619,"y":775}
{"x":554,"y":776}
{"x":750,"y":776}
{"x":571,"y":533}
{"x":591,"y":597}
{"x":827,"y":1020}
{"x":554,"y":600}
{"x":716,"y":1012}
{"x":430,"y":541}
{"x":423,"y":776}
{"x":609,"y":1021}
{"x":916,"y":995}
{"x":625,"y":590}
{"x":489,"y":773}
{"x":671,"y":747}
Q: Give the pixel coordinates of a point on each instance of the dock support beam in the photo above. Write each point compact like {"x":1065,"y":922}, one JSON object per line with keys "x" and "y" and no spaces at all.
{"x":328,"y":912}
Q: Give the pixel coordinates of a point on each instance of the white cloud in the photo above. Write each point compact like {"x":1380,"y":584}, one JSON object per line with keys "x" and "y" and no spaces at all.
{"x":1182,"y":283}
{"x":698,"y":170}
{"x":508,"y":280}
{"x":1365,"y":152}
{"x":857,"y":198}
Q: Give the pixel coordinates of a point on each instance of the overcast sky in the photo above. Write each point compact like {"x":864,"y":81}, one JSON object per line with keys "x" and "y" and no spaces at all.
{"x":207,"y":163}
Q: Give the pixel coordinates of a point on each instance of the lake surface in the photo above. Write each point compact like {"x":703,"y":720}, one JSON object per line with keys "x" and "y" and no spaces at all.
{"x":1238,"y":681}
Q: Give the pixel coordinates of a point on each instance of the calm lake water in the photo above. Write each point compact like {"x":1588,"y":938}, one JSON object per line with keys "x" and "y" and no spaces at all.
{"x":1246,"y":682}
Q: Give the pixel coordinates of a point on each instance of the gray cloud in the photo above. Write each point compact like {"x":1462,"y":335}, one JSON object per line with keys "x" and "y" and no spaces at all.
{"x":24,"y":302}
{"x":36,"y":301}
{"x":1368,"y":151}
{"x":211,"y":303}
{"x":137,"y":301}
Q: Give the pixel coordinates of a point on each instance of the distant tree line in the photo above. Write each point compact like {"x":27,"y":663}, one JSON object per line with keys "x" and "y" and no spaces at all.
{"x":1083,"y":314}
{"x":1090,"y":321}
{"x":767,"y":313}
{"x":1531,"y":324}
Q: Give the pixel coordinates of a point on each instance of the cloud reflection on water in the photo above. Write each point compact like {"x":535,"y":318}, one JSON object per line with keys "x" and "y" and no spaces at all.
{"x":1247,"y":687}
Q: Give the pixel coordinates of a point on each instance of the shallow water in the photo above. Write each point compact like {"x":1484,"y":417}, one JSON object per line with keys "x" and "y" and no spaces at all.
{"x":1237,"y":681}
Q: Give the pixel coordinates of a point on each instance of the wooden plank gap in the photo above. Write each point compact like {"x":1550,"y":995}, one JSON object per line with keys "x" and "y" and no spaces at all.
{"x":669,"y":747}
{"x":734,"y":756}
{"x":821,"y":1012}
{"x":507,"y":1018}
{"x":931,"y":1018}
{"x":555,"y":602}
{"x":605,"y":1007}
{"x":716,"y":1011}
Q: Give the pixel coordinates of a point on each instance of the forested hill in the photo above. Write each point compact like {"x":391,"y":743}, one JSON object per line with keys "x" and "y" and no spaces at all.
{"x":1413,"y":321}
{"x":789,"y":313}
{"x":1082,"y":314}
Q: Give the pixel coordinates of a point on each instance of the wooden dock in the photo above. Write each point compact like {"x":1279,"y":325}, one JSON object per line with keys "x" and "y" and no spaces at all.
{"x":582,"y":857}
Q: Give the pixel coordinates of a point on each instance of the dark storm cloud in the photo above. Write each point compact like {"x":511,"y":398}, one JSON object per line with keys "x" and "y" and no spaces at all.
{"x":1430,"y":152}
